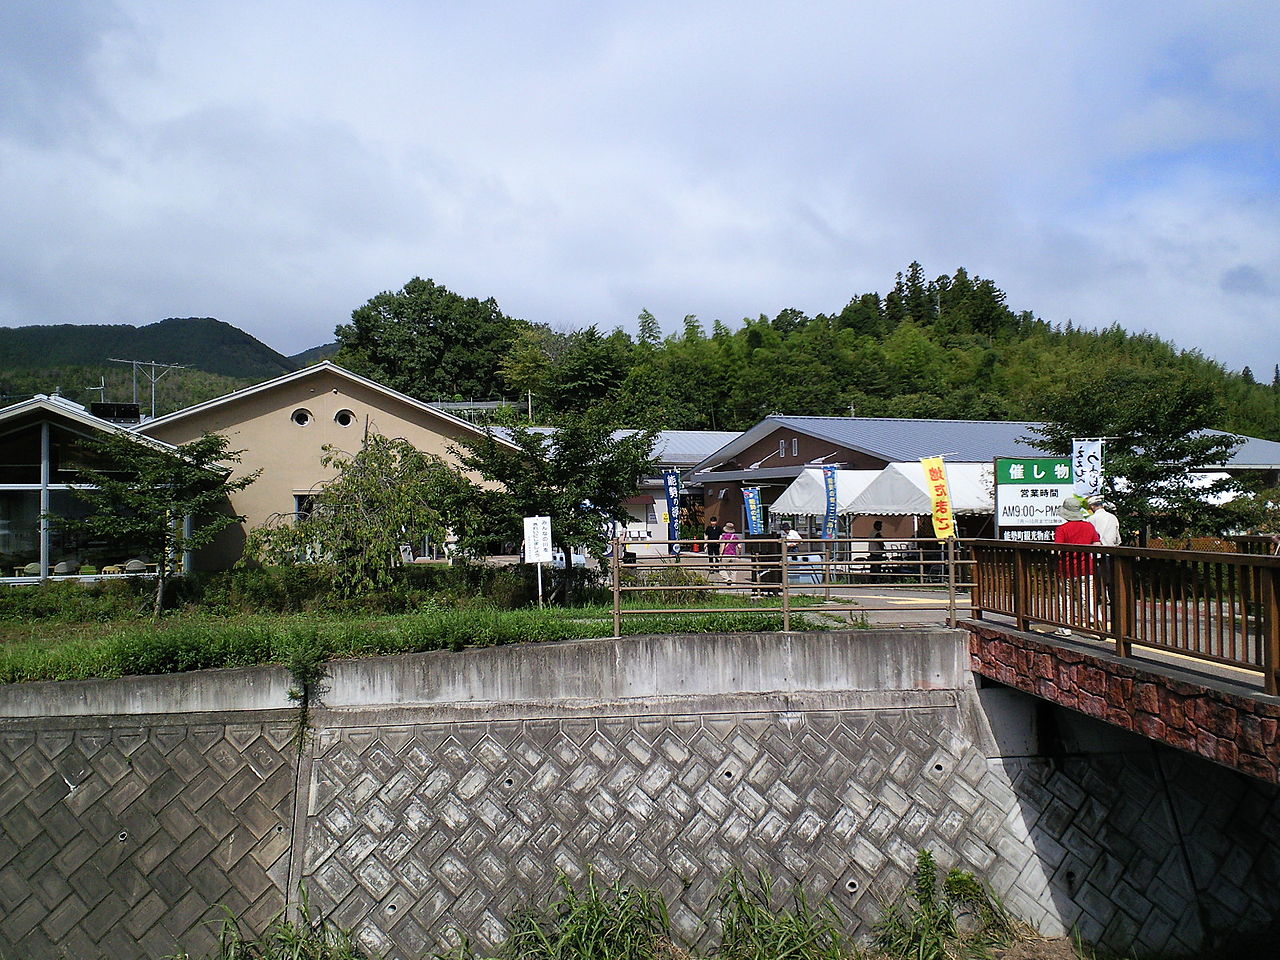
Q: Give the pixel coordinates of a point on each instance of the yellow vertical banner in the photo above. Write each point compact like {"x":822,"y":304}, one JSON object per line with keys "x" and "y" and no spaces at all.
{"x":935,"y":478}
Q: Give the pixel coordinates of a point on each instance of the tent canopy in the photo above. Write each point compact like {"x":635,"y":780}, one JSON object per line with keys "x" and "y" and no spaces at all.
{"x":807,"y":495}
{"x":900,"y":489}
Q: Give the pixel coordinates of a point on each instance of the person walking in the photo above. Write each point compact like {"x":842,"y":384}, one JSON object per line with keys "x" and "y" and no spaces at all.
{"x":1108,"y":526}
{"x":711,"y":533}
{"x":1075,"y":569}
{"x":731,"y":551}
{"x":1106,"y":523}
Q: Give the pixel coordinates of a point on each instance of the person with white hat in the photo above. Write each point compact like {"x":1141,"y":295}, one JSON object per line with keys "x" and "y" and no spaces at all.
{"x":1075,"y":567}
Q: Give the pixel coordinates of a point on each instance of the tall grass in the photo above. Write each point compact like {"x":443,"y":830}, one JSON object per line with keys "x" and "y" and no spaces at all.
{"x":310,"y":937}
{"x":600,"y":923}
{"x":753,"y":928}
{"x":954,"y":920}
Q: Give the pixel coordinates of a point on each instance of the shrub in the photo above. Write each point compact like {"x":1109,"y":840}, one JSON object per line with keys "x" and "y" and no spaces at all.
{"x":66,"y":601}
{"x":961,"y":920}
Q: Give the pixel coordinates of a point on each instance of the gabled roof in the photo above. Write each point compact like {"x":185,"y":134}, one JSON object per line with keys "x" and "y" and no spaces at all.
{"x":684,"y":448}
{"x":898,"y":439}
{"x":44,"y":407}
{"x":1253,"y":454}
{"x":894,"y":439}
{"x":325,"y":367}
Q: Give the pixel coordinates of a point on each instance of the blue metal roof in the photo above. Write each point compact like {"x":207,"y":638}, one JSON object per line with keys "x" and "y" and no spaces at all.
{"x":898,"y":439}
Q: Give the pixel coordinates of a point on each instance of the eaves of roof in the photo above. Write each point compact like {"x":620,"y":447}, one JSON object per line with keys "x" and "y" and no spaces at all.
{"x":325,"y":366}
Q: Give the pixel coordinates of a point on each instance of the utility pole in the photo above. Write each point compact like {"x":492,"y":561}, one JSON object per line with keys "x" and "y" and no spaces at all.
{"x":153,"y":371}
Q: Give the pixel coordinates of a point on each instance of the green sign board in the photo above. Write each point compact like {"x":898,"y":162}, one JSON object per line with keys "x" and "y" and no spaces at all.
{"x":1039,"y":471}
{"x":1029,"y":491}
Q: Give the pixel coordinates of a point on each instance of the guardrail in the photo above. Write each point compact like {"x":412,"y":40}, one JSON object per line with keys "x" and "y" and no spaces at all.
{"x":1215,"y":607}
{"x":817,"y":576}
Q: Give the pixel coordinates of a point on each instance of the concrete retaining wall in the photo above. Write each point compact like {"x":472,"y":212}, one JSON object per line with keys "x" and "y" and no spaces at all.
{"x":441,"y":791}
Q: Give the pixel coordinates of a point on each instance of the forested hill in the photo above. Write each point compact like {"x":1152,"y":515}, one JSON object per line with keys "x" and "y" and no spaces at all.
{"x":199,"y":342}
{"x":948,"y":347}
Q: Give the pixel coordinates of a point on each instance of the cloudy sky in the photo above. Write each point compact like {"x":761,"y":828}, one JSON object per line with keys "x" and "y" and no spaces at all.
{"x":275,"y":164}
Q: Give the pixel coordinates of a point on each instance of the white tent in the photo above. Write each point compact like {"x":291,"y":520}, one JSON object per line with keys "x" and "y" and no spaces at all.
{"x":807,"y":495}
{"x":900,"y":489}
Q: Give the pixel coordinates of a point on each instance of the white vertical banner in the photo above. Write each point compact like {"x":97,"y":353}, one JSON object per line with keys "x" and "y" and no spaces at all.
{"x":1086,"y":462}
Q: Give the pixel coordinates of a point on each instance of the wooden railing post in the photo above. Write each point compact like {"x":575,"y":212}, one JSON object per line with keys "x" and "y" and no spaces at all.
{"x":616,"y":578}
{"x":786,"y":588}
{"x":1021,"y":586}
{"x":1270,"y":610}
{"x":950,"y":560}
{"x":1124,"y":604}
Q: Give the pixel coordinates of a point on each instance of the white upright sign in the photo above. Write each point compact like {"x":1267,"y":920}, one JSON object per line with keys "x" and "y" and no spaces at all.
{"x":1086,"y":462}
{"x":537,"y":539}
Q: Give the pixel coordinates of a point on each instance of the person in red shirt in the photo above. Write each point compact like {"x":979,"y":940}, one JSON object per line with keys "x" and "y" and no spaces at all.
{"x":1075,"y":568}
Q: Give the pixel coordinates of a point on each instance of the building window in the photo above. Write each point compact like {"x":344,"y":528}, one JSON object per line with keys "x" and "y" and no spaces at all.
{"x":782,"y":448}
{"x":795,"y":446}
{"x":344,"y":418}
{"x":301,"y":416}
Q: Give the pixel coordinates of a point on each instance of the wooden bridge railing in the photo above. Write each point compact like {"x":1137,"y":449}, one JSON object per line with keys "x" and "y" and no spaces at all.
{"x":1215,"y":607}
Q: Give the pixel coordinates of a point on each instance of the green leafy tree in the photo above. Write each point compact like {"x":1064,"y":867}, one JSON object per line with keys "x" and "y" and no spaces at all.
{"x":385,"y":494}
{"x":1158,"y":433}
{"x":168,"y":500}
{"x":579,"y":474}
{"x":428,"y":342}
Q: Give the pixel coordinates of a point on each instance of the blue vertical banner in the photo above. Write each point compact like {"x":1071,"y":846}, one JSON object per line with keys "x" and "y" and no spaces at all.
{"x":671,"y":483}
{"x":755,"y":516}
{"x":829,"y":487}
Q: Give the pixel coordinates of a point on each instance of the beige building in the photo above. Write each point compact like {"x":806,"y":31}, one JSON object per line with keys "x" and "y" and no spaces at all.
{"x":281,"y":426}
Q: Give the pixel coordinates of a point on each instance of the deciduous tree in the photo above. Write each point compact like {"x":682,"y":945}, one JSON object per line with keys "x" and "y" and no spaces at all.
{"x":170,"y":500}
{"x":1158,"y":435}
{"x":428,"y":342}
{"x":385,"y":494}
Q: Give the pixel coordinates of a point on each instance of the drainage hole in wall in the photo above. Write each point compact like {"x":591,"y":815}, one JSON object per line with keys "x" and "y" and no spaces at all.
{"x":124,"y":835}
{"x":938,"y":767}
{"x":728,"y":774}
{"x":508,"y":782}
{"x":279,"y":828}
{"x":391,"y":908}
{"x":851,"y":886}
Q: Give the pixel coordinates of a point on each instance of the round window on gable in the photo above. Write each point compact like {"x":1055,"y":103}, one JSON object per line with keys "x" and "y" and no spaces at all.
{"x":301,"y":416}
{"x":344,"y":418}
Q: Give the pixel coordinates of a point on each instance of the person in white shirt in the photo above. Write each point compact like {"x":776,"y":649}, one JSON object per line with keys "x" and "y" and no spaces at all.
{"x":1108,"y":527}
{"x":1104,"y":522}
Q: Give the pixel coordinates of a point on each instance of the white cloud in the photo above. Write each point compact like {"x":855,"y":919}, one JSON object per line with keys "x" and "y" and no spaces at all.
{"x":275,"y":165}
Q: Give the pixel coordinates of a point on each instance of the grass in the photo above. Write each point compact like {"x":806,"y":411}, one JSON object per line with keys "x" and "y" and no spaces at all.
{"x":954,"y":920}
{"x":196,"y":639}
{"x":748,"y":920}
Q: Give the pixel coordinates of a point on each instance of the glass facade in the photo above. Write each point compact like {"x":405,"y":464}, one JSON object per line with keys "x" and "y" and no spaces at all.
{"x":66,"y":551}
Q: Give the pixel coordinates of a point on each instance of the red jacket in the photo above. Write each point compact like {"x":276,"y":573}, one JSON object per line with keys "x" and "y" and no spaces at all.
{"x":1076,"y":531}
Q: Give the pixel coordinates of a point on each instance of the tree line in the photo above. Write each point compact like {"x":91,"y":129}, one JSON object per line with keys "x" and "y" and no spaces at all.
{"x":948,"y":347}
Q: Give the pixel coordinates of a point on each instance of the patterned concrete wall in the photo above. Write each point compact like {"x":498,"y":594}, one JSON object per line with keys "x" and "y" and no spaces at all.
{"x":411,"y":822}
{"x":115,"y":840}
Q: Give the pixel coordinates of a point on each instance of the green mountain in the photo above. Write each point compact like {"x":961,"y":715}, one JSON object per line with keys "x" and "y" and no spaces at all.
{"x":325,"y":351}
{"x":201,"y":343}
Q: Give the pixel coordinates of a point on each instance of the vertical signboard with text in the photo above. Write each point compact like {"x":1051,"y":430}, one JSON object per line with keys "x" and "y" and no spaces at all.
{"x":1029,"y":491}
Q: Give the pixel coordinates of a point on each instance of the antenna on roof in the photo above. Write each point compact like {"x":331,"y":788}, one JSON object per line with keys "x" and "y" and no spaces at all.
{"x":101,"y":388}
{"x":152,"y":371}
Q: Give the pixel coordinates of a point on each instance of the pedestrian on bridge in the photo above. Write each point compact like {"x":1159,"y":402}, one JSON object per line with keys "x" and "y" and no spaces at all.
{"x":1075,"y":569}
